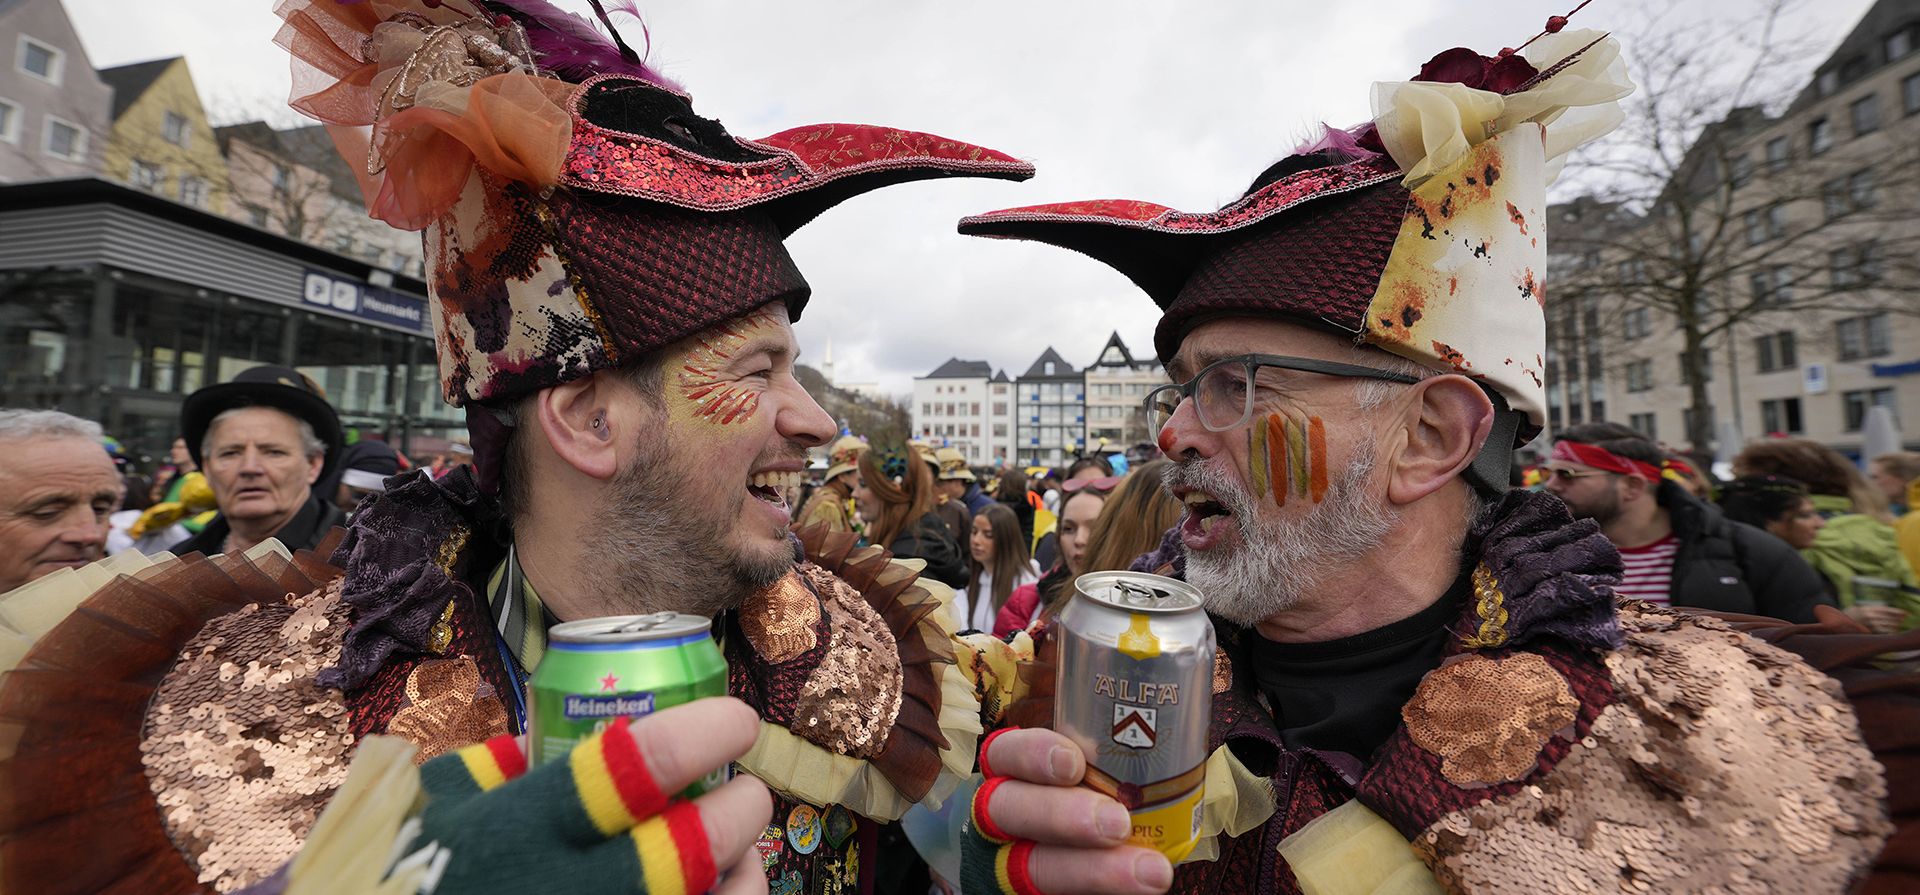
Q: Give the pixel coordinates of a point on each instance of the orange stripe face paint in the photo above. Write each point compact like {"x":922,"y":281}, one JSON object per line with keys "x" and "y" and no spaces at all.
{"x":1317,"y":459}
{"x":700,"y":373}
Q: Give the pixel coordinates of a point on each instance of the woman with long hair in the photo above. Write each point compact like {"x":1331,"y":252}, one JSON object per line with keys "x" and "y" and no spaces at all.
{"x":895,"y":497}
{"x":1078,"y":511}
{"x":1000,"y":564}
{"x":1132,"y":522}
{"x":1857,"y":550}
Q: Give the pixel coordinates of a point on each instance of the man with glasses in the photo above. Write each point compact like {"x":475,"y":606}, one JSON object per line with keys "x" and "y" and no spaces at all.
{"x":1422,"y":678}
{"x":1676,"y":550}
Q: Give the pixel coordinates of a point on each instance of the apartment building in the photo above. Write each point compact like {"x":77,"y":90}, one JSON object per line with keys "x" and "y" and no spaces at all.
{"x":54,"y":109}
{"x":1117,"y":383}
{"x":950,"y":407}
{"x":1050,"y":417}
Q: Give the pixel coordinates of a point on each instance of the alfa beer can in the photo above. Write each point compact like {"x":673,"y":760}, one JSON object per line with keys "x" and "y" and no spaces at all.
{"x":1134,"y":689}
{"x":602,"y":671}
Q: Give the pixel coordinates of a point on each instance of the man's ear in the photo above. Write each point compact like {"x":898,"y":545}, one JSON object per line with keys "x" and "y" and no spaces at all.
{"x":1444,"y":428}
{"x":314,"y":465}
{"x":578,"y":424}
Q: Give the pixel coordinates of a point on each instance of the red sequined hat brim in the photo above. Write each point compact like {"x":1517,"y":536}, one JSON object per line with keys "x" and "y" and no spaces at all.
{"x":1158,"y":247}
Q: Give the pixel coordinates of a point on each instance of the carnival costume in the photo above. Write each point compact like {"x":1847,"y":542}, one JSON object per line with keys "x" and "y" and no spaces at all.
{"x":829,"y":506}
{"x":181,"y":729}
{"x":1535,"y":737}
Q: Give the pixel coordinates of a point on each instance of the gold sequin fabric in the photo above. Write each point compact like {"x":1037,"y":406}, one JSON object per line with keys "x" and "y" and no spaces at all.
{"x":242,"y":749}
{"x":1488,"y":717}
{"x":779,"y":620}
{"x":1724,"y":765}
{"x":849,"y":702}
{"x":448,"y":706}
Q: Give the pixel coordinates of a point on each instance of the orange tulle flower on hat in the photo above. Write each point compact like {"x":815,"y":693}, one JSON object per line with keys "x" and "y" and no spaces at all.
{"x":423,"y":91}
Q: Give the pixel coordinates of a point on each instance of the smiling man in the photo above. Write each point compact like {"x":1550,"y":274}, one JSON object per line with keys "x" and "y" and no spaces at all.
{"x":1423,"y":683}
{"x":57,"y":487}
{"x":613,"y":304}
{"x":262,"y":440}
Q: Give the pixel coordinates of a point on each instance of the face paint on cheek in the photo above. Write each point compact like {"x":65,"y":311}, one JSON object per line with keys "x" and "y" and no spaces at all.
{"x":1288,"y":456}
{"x":710,"y":399}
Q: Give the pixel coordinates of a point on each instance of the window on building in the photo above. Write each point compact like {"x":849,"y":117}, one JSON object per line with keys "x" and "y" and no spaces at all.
{"x":256,"y":215}
{"x":1637,"y":323}
{"x":64,"y":139}
{"x":1865,"y":113}
{"x":282,"y":178}
{"x":1833,"y":198}
{"x":193,"y":191}
{"x":1644,"y":424}
{"x":1819,"y":136}
{"x":999,"y":408}
{"x":1861,"y":189}
{"x":976,"y":430}
{"x":1781,"y":415}
{"x":1687,"y":416}
{"x":1857,"y":403}
{"x":1910,"y":93}
{"x":1827,"y":82}
{"x":1899,"y":44}
{"x":1742,"y":171}
{"x":174,"y":129}
{"x":1639,"y":375}
{"x":41,"y":60}
{"x":9,"y":122}
{"x":1779,"y":153}
{"x":976,"y":409}
{"x":1049,"y":368}
{"x":1772,"y":286}
{"x":145,"y":175}
{"x":1776,"y":351}
{"x":1706,"y":366}
{"x":1863,"y":337}
{"x":999,"y":430}
{"x":1754,"y":222}
{"x":926,"y":408}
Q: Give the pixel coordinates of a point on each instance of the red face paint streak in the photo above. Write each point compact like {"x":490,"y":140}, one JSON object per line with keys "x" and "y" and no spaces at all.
{"x":716,"y":401}
{"x":1317,"y":456}
{"x":1277,"y":458}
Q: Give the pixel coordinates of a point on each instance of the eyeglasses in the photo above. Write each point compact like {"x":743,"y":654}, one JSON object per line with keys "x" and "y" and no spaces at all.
{"x":1227,"y":390}
{"x":1567,"y":475}
{"x":1102,"y":485}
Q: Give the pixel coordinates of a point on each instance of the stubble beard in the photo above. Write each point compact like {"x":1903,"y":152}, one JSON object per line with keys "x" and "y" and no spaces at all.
{"x":1280,"y":561}
{"x":656,"y":548}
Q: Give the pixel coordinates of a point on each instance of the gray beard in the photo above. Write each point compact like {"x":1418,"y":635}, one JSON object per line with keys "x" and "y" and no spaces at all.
{"x":1279,"y":561}
{"x":649,"y":548}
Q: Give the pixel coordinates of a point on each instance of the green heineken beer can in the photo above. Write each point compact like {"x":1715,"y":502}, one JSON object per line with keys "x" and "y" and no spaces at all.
{"x":602,"y":671}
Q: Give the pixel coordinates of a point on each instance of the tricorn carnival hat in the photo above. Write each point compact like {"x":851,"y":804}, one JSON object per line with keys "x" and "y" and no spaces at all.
{"x":577,"y":213}
{"x":1419,"y":232}
{"x":953,"y":465}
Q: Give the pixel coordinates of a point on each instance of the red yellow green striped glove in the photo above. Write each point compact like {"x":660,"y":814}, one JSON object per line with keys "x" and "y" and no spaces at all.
{"x":599,"y":822}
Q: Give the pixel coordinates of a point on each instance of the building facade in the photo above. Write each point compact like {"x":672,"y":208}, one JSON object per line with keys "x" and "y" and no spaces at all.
{"x":116,"y":303}
{"x":54,"y":108}
{"x":1824,"y":208}
{"x":950,"y":407}
{"x":1117,"y":386}
{"x":160,"y":139}
{"x":1050,"y":415}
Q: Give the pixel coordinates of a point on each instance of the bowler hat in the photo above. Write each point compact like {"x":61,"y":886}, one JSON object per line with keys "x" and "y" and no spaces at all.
{"x":281,"y":388}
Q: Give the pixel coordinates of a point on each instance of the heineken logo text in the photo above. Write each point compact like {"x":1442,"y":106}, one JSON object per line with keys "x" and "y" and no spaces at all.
{"x":580,"y":708}
{"x":1142,"y":692}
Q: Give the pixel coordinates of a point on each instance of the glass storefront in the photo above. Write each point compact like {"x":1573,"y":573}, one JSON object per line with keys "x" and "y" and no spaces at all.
{"x":125,"y":349}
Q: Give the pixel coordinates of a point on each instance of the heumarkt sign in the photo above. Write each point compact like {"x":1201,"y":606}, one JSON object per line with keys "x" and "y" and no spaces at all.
{"x":366,"y":301}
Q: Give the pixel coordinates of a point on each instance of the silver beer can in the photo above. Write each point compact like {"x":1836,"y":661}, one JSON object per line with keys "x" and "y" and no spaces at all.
{"x":1134,"y":689}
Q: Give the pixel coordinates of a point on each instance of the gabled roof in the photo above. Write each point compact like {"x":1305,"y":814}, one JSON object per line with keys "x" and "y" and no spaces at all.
{"x":1113,"y":341}
{"x":312,"y":147}
{"x":252,"y":133}
{"x":1061,"y":369}
{"x":956,"y":368}
{"x":1000,"y":376}
{"x":130,"y":82}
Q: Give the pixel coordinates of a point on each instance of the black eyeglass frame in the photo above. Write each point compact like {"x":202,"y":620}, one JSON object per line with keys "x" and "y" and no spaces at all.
{"x":1253,"y":362}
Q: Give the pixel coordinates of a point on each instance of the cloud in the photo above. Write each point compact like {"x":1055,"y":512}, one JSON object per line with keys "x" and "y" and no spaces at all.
{"x":1177,"y":103}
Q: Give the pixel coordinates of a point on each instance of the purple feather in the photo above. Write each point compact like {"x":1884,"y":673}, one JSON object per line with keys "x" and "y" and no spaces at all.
{"x":1340,"y":142}
{"x":570,"y":47}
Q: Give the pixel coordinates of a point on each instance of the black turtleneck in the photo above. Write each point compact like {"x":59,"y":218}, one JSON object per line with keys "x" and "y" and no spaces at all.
{"x":1345,"y":695}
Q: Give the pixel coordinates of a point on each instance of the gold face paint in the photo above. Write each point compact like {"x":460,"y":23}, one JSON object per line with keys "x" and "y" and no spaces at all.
{"x":699,"y":373}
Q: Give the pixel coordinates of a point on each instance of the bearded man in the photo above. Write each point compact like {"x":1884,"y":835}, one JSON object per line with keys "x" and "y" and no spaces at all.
{"x":1422,"y":683}
{"x":613,"y":306}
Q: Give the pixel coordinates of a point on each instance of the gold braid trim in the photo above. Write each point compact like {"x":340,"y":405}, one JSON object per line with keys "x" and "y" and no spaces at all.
{"x":1491,"y":609}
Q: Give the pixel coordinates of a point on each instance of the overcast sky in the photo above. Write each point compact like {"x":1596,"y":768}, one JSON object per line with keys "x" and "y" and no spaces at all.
{"x":1177,"y":103}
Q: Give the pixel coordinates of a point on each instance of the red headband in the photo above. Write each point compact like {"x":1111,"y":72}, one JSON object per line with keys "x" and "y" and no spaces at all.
{"x":1600,"y":458}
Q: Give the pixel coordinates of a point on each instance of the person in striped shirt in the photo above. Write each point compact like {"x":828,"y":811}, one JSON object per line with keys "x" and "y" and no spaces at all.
{"x":1675,"y":549}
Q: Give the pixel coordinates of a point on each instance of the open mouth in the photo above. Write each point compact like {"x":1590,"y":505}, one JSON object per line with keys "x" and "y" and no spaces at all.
{"x":1205,"y":511}
{"x":771,"y":487}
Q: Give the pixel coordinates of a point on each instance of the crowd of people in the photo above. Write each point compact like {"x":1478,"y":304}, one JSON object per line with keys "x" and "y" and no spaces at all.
{"x":1426,"y":679}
